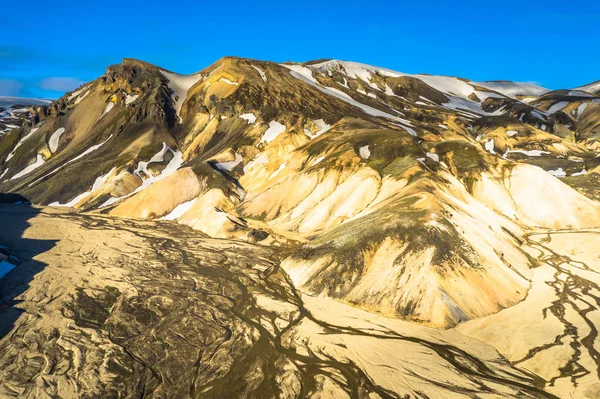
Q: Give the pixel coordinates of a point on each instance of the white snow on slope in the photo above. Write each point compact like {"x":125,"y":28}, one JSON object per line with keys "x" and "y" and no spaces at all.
{"x":89,"y":150}
{"x":305,"y":74}
{"x":556,"y":107}
{"x":179,"y":86}
{"x":580,"y":93}
{"x":179,"y":210}
{"x":76,"y":93}
{"x":558,"y":172}
{"x":171,"y":167}
{"x":12,"y":112}
{"x":592,"y":87}
{"x":86,"y":152}
{"x":511,"y":133}
{"x":84,"y":95}
{"x":581,"y":109}
{"x":107,"y":109}
{"x":274,"y":130}
{"x":5,"y":267}
{"x":445,"y":84}
{"x":230,"y":165}
{"x":97,"y":184}
{"x":281,"y":167}
{"x":143,"y":165}
{"x":229,"y":82}
{"x":433,"y":157}
{"x":489,"y":146}
{"x":3,"y":173}
{"x":39,"y":162}
{"x":323,"y":127}
{"x":260,"y":72}
{"x":318,"y":160}
{"x":250,"y":117}
{"x":514,"y":89}
{"x":456,"y":90}
{"x":53,"y":142}
{"x":73,"y":202}
{"x":364,"y":151}
{"x":530,"y":153}
{"x":131,"y":98}
{"x":31,"y":132}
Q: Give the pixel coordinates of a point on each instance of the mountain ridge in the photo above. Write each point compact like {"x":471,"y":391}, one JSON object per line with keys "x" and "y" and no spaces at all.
{"x":302,"y":217}
{"x":261,"y":151}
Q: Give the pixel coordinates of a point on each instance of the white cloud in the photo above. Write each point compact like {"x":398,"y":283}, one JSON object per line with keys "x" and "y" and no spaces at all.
{"x":60,"y":84}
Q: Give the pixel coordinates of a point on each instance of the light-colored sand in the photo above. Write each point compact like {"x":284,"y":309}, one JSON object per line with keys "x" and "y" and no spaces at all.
{"x":553,"y":332}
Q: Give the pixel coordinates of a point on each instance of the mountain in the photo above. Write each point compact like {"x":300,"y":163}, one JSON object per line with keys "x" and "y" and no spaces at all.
{"x":14,"y":111}
{"x":412,"y":197}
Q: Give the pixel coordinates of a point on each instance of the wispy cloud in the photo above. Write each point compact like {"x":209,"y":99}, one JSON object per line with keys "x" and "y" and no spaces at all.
{"x":60,"y":84}
{"x":10,"y":87}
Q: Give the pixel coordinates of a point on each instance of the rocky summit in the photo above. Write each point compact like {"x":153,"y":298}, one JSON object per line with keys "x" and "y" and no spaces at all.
{"x":326,"y":229}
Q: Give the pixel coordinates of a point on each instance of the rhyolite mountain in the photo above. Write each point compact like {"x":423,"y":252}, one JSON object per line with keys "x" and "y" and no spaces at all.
{"x":416,"y":198}
{"x":403,"y":194}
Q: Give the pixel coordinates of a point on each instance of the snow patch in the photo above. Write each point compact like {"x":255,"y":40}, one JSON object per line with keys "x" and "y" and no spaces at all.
{"x":89,"y":150}
{"x":514,"y":89}
{"x":530,"y":153}
{"x":364,"y":151}
{"x":76,"y":93}
{"x":281,"y":167}
{"x":558,"y":172}
{"x":250,"y":117}
{"x":260,"y":72}
{"x":53,"y":143}
{"x":274,"y":130}
{"x":179,"y":210}
{"x":433,"y":157}
{"x":39,"y":162}
{"x":556,"y":107}
{"x":107,"y":109}
{"x":579,"y":93}
{"x":318,"y":160}
{"x":489,"y":146}
{"x":179,"y":85}
{"x":581,"y":109}
{"x":97,"y":184}
{"x":511,"y":133}
{"x":31,"y":132}
{"x":305,"y":74}
{"x":86,"y":152}
{"x":78,"y":100}
{"x":131,"y":98}
{"x":171,"y":167}
{"x":229,"y":82}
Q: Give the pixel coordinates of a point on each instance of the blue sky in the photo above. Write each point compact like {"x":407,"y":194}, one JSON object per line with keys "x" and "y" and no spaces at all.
{"x":50,"y":48}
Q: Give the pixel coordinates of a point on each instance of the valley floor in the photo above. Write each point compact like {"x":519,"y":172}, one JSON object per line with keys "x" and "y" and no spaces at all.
{"x":105,"y":307}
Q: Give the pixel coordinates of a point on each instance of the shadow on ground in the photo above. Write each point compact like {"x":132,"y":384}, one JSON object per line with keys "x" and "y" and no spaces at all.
{"x":15,"y":213}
